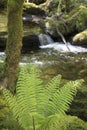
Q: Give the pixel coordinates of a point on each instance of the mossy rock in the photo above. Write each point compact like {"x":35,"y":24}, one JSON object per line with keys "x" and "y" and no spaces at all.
{"x":80,"y":38}
{"x":31,"y":8}
{"x":70,"y":23}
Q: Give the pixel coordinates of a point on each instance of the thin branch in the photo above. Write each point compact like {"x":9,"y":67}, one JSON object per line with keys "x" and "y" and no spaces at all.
{"x":58,"y":31}
{"x":63,"y":38}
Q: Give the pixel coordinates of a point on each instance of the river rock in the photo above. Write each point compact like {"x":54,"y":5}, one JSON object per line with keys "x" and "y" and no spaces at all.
{"x":80,"y":38}
{"x":30,"y":42}
{"x":31,"y":8}
{"x":31,"y":31}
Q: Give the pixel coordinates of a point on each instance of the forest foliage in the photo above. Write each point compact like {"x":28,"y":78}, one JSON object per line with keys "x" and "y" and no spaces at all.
{"x":40,"y":107}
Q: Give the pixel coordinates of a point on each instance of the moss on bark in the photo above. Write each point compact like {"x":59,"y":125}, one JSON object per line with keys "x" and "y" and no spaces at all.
{"x":14,"y":42}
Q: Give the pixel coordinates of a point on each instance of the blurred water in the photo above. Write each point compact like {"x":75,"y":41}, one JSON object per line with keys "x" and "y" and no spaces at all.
{"x":63,"y":48}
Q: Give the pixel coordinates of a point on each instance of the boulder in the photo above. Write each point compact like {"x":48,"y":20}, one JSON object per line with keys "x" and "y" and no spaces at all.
{"x":31,"y":8}
{"x":80,"y":38}
{"x":30,"y":42}
{"x":31,"y":29}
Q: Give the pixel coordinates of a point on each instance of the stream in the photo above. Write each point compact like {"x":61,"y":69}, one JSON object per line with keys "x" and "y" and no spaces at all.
{"x":55,"y":59}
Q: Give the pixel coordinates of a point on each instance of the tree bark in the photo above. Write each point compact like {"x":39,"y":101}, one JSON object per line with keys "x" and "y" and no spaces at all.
{"x":14,"y":42}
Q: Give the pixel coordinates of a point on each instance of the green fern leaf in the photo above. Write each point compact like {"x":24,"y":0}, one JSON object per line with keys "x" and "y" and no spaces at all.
{"x":38,"y":107}
{"x":63,"y":97}
{"x":48,"y":93}
{"x":53,"y":122}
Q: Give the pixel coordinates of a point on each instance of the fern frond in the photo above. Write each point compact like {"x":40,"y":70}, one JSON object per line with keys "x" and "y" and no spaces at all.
{"x":53,"y":122}
{"x":48,"y":92}
{"x":63,"y":97}
{"x":38,"y":107}
{"x":12,"y":102}
{"x":52,"y":86}
{"x":29,"y":91}
{"x":26,"y":90}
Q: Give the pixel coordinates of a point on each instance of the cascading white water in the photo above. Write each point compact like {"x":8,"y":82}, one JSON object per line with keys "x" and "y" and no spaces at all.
{"x":45,"y":39}
{"x":63,"y":48}
{"x":47,"y":42}
{"x":2,"y":54}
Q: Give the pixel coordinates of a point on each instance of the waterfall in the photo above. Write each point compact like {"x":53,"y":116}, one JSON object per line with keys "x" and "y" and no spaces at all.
{"x":63,"y":48}
{"x":47,"y":42}
{"x":45,"y":39}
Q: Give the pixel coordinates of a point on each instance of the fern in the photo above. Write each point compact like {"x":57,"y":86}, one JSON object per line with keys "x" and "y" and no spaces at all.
{"x":37,"y":107}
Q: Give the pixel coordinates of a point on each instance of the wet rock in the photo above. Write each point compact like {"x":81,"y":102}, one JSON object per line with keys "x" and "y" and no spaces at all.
{"x":33,"y":23}
{"x":31,"y":31}
{"x":30,"y":42}
{"x":3,"y":39}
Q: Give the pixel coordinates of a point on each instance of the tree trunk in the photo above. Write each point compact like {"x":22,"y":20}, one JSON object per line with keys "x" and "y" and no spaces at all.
{"x":14,"y":42}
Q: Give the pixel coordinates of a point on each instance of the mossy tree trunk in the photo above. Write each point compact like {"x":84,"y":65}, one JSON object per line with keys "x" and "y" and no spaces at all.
{"x":14,"y":42}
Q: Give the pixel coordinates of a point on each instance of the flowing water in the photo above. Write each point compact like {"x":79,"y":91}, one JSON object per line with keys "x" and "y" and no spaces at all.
{"x":45,"y":39}
{"x":56,"y":58}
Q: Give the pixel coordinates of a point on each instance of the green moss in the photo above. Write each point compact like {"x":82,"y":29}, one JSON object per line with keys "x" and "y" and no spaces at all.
{"x":14,"y":42}
{"x":1,"y":70}
{"x":81,"y":22}
{"x":29,"y":5}
{"x":75,"y":123}
{"x":80,"y":38}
